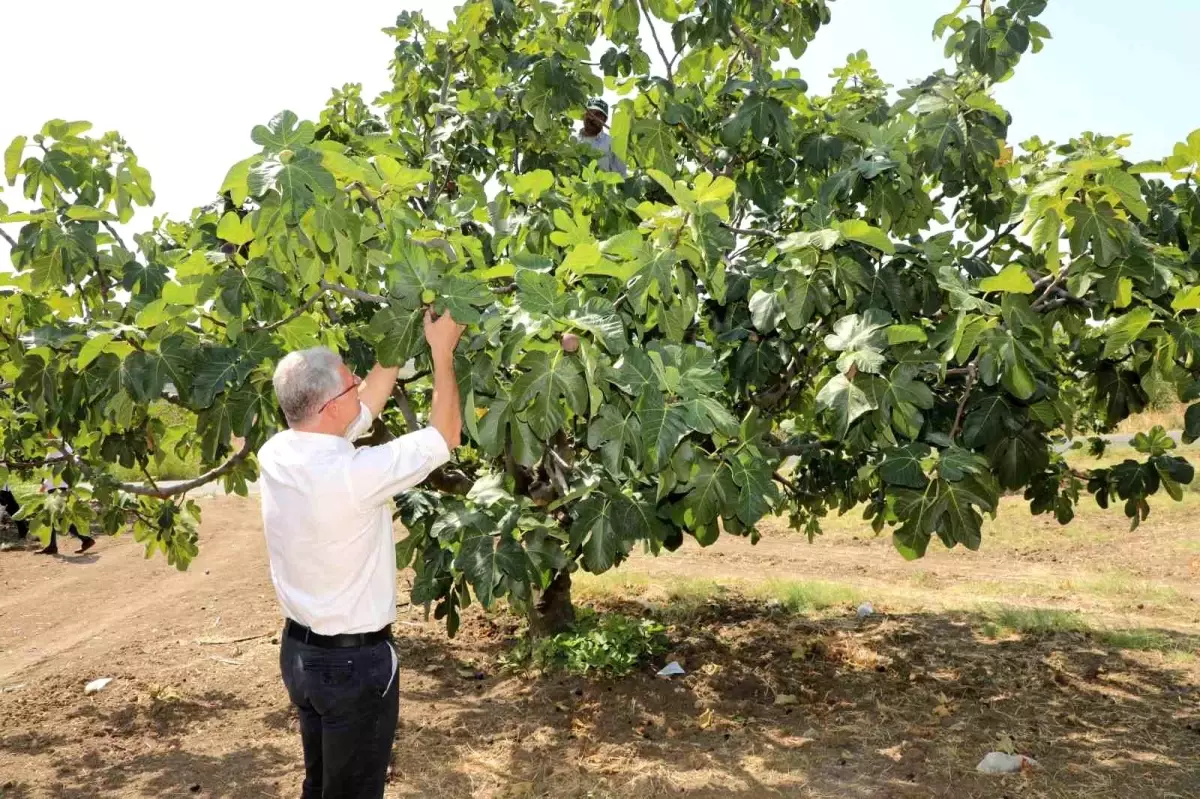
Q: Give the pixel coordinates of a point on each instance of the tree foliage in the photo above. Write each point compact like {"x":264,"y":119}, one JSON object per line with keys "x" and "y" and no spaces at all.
{"x":796,"y":304}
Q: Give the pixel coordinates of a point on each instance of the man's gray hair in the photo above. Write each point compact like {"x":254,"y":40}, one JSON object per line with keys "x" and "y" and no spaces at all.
{"x":306,"y":380}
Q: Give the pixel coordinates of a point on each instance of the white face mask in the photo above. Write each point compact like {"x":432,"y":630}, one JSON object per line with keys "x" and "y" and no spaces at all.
{"x":361,"y":425}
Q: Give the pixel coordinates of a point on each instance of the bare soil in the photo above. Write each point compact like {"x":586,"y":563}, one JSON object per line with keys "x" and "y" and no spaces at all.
{"x":901,"y":704}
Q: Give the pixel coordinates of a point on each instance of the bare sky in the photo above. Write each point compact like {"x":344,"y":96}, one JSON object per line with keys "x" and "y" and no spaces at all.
{"x":186,"y":83}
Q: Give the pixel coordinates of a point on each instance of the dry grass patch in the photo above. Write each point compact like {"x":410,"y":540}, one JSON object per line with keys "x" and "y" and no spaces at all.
{"x":1169,"y":417}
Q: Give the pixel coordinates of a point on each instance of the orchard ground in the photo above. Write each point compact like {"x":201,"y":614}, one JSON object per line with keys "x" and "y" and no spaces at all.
{"x":1077,"y":645}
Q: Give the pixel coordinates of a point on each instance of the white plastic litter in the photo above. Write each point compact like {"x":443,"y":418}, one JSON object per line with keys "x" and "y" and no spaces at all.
{"x":672,"y":669}
{"x":96,"y":685}
{"x":865,"y":609}
{"x":1003,"y":763}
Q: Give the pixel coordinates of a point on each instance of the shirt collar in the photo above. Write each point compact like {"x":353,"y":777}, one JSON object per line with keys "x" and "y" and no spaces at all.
{"x":318,"y":440}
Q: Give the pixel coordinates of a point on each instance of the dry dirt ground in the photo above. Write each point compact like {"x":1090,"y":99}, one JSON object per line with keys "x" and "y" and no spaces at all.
{"x":902,"y":704}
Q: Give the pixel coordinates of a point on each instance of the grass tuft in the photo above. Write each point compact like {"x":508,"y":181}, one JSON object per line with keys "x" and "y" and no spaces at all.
{"x":1035,"y":621}
{"x":1000,"y":621}
{"x":801,"y":596}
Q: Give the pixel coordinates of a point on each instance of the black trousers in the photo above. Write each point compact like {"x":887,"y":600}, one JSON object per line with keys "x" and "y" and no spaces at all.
{"x":11,"y":507}
{"x":349,"y":704}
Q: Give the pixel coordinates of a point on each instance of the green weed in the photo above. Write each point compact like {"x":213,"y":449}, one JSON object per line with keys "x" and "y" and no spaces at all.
{"x":609,"y":645}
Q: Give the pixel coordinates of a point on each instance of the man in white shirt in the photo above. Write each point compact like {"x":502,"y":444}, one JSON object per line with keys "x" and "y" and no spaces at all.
{"x":327,"y":514}
{"x":594,"y":120}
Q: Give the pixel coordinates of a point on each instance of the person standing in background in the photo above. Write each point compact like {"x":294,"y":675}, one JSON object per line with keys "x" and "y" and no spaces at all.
{"x":12,"y":507}
{"x":9,"y":502}
{"x":86,"y":541}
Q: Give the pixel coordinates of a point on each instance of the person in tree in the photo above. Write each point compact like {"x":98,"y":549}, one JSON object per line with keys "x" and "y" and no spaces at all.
{"x":595,"y":118}
{"x":327,"y":516}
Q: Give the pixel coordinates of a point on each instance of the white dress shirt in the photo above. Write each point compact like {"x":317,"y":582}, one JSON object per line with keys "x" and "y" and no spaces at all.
{"x":327,"y":514}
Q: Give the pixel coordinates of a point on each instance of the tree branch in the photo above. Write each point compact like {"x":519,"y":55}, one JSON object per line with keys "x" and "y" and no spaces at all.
{"x":654,"y":34}
{"x":308,"y":304}
{"x":353,"y":294}
{"x":679,"y":233}
{"x":794,"y":448}
{"x":972,"y":376}
{"x":11,"y":241}
{"x":410,"y":418}
{"x":149,"y":479}
{"x":779,"y":478}
{"x":769,"y":398}
{"x":451,"y":58}
{"x":751,"y":232}
{"x":445,"y":181}
{"x":372,"y":201}
{"x":450,"y":481}
{"x":184,"y":487}
{"x":557,"y":476}
{"x":34,"y":464}
{"x":751,"y":48}
{"x":1050,"y":289}
{"x":116,"y":235}
{"x":1065,"y":299}
{"x":992,"y":243}
{"x":418,"y":376}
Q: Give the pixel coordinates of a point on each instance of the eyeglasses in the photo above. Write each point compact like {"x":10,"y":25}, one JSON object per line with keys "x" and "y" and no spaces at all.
{"x":344,"y":392}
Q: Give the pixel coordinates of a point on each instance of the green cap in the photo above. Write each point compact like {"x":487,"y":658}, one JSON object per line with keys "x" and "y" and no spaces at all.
{"x":596,"y":104}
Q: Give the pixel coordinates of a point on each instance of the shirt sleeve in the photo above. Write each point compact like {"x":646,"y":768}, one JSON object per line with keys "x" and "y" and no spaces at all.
{"x":379,"y":473}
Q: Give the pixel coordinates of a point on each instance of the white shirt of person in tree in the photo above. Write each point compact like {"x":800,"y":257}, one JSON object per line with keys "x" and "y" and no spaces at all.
{"x":593,"y":134}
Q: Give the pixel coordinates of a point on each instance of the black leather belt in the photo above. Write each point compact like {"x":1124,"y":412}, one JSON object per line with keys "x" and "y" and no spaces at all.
{"x":341,"y":641}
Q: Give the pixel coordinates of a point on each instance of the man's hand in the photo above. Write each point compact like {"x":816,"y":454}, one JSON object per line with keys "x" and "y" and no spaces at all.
{"x":442,"y":334}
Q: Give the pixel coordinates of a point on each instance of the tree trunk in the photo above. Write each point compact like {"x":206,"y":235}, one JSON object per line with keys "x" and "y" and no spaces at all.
{"x":553,"y":612}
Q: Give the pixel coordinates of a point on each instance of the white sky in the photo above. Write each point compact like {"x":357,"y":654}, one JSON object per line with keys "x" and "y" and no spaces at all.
{"x":185,"y":84}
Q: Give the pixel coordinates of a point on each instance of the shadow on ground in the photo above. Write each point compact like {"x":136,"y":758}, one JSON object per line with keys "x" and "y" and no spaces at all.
{"x":896,"y":706}
{"x":255,"y":770}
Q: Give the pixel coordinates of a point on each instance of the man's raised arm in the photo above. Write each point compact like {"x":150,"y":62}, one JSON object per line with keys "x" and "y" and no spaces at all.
{"x":445,"y":415}
{"x":376,"y":390}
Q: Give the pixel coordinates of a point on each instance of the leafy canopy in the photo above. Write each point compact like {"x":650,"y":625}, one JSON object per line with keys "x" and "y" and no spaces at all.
{"x":796,"y":303}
